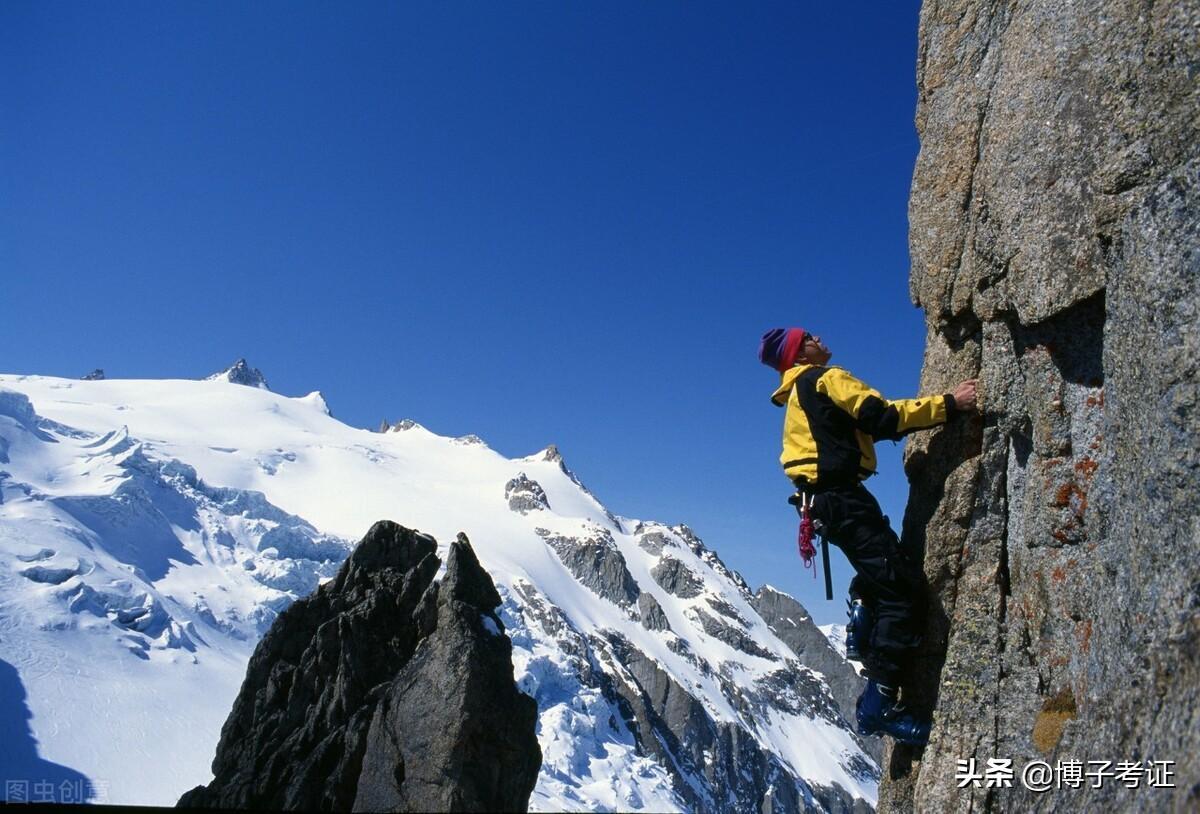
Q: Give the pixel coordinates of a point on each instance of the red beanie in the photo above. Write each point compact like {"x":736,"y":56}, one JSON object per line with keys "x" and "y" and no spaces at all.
{"x":780,"y":347}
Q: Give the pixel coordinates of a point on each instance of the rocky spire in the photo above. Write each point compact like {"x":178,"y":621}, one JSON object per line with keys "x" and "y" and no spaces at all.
{"x":241,"y":373}
{"x":384,"y":690}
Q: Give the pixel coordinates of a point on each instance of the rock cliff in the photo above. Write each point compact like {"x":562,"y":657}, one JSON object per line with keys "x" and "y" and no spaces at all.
{"x":384,"y":690}
{"x":1055,"y":250}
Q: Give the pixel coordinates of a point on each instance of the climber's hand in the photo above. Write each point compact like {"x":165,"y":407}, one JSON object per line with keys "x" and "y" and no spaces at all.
{"x":965,"y":395}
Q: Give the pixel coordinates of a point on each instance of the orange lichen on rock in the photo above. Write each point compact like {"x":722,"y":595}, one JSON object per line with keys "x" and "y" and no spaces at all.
{"x":1069,"y":494}
{"x":1085,"y":635}
{"x":1052,"y":720}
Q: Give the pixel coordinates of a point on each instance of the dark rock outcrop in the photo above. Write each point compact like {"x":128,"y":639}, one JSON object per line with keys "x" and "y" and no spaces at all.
{"x":525,"y":495}
{"x":738,"y":774}
{"x":653,"y":617}
{"x":654,"y":541}
{"x":597,"y":563}
{"x":96,"y":375}
{"x":241,"y":373}
{"x":1055,"y":251}
{"x":715,"y":766}
{"x":732,"y":635}
{"x":791,"y":622}
{"x":382,"y":690}
{"x":672,"y":575}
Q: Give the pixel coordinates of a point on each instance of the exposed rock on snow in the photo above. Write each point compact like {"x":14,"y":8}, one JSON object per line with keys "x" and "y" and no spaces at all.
{"x":652,"y":614}
{"x":731,"y":635}
{"x":597,"y":563}
{"x":525,"y":495}
{"x":653,"y":542}
{"x":677,"y":578}
{"x":384,"y":690}
{"x":241,"y":373}
{"x":551,"y":454}
{"x":792,"y":623}
{"x":737,"y":774}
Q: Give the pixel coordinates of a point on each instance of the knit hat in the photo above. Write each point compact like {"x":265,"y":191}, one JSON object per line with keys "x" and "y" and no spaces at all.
{"x":780,"y":347}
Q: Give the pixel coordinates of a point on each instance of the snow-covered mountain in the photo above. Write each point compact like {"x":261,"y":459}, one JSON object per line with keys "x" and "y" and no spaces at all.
{"x":150,"y":531}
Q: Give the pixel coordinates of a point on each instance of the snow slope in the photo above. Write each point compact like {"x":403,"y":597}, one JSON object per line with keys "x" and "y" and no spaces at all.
{"x":151,"y":530}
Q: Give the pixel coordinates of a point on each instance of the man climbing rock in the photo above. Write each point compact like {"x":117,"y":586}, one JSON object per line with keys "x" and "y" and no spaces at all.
{"x":829,"y":432}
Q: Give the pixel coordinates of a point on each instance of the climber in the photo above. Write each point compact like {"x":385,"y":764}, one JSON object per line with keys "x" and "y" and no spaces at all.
{"x":829,"y":432}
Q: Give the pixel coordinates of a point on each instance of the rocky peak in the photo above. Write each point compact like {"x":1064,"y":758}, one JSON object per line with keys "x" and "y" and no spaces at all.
{"x":466,"y":581}
{"x":241,"y":373}
{"x":95,"y":376}
{"x":383,"y":690}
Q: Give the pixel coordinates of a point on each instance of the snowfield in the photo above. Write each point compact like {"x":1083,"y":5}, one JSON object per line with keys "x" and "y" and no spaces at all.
{"x":151,"y":530}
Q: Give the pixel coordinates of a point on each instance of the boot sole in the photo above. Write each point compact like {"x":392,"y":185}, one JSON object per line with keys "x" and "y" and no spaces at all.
{"x":868,"y":732}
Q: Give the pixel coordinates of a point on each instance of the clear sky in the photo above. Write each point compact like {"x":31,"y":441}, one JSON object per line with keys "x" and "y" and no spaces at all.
{"x":537,"y":222}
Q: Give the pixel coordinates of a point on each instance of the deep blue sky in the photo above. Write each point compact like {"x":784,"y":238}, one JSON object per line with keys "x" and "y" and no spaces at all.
{"x":537,"y":222}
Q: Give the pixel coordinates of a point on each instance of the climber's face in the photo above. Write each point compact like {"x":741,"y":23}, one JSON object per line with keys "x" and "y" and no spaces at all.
{"x":814,"y":351}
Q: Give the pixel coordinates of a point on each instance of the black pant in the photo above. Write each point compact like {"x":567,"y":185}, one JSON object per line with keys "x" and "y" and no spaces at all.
{"x":887,"y":579}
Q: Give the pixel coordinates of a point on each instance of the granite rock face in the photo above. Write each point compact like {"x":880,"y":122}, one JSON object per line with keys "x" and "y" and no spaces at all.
{"x":382,"y":690}
{"x":1055,"y":246}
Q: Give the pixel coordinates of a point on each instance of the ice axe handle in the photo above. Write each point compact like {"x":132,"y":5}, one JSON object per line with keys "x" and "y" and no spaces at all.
{"x":825,"y":562}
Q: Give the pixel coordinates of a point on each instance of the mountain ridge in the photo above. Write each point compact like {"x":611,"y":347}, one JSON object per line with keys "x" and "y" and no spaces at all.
{"x":748,"y":723}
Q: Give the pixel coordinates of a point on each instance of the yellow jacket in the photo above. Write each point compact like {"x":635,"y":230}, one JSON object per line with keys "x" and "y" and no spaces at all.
{"x":833,"y":421}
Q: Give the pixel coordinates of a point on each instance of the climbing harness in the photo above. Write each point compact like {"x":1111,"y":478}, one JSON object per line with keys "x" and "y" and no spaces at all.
{"x":804,"y":540}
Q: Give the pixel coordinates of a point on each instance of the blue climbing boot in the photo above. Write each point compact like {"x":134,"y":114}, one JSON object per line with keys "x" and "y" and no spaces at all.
{"x":880,"y":713}
{"x":858,"y":629}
